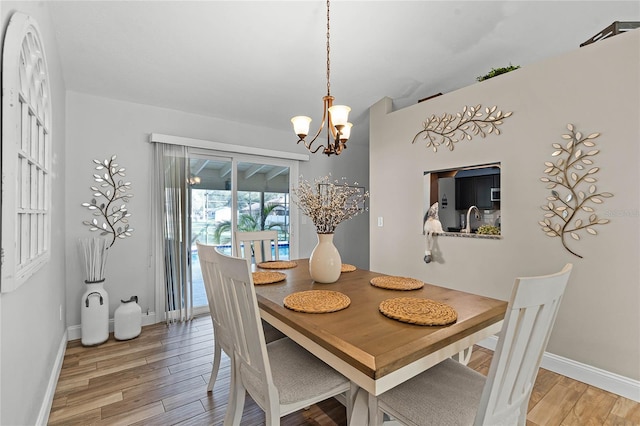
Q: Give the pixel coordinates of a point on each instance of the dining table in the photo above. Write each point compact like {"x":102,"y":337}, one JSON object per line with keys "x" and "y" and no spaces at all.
{"x":374,"y":351}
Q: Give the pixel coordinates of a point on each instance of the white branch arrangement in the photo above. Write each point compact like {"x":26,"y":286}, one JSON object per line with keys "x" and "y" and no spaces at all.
{"x":93,"y":252}
{"x":111,"y":217}
{"x":329,"y":203}
{"x":568,"y":209}
{"x":448,"y":129}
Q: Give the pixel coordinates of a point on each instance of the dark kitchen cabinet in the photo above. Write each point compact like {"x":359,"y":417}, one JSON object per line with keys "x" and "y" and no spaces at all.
{"x":465,"y":193}
{"x":476,"y":191}
{"x":483,"y":185}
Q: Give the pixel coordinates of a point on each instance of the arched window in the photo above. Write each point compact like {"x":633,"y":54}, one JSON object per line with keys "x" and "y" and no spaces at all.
{"x":26,"y":153}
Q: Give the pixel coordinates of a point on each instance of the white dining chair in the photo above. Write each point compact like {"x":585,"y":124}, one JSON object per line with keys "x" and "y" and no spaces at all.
{"x":452,"y":394}
{"x":281,"y":377}
{"x":221,"y":335}
{"x":256,"y":244}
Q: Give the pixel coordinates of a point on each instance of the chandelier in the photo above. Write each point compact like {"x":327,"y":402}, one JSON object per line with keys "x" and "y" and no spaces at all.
{"x":335,"y":117}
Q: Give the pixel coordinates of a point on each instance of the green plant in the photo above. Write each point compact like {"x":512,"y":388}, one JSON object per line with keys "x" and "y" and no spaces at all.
{"x":488,"y":230}
{"x":246,"y":223}
{"x":497,"y":71}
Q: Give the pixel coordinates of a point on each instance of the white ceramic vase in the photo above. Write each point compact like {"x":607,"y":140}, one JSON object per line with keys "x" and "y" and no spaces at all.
{"x":325,"y":262}
{"x":94,"y":314}
{"x":127,"y":319}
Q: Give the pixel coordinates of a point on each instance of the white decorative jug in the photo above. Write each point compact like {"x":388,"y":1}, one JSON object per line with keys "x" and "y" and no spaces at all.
{"x":94,"y":314}
{"x":127,"y":320}
{"x":325,"y":262}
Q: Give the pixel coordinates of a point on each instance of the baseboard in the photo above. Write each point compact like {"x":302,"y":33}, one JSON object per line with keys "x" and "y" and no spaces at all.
{"x":611,"y":382}
{"x":74,"y":332}
{"x":47,"y":401}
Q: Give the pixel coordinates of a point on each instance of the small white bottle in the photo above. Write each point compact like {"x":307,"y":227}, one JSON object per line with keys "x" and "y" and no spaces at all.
{"x":127,"y":319}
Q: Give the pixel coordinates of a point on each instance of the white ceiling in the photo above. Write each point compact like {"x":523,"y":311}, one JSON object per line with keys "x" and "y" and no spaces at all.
{"x":263,"y":62}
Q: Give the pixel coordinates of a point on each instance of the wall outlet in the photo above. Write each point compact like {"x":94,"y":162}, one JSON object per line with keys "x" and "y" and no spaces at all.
{"x":380,"y":221}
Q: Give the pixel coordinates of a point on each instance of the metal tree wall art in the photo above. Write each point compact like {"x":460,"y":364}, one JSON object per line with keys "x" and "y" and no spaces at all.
{"x":111,"y":217}
{"x":448,"y":129}
{"x":571,"y":180}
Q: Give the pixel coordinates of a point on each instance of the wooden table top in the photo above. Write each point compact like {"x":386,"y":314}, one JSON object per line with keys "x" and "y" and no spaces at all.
{"x":364,"y":338}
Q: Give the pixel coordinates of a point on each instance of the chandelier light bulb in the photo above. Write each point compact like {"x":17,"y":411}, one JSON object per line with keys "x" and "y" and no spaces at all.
{"x":345,"y":132}
{"x":301,"y":125}
{"x":339,"y":115}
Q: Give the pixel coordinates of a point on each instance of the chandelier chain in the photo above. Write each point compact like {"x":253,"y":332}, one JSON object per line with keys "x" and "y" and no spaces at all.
{"x":335,"y":117}
{"x":328,"y":51}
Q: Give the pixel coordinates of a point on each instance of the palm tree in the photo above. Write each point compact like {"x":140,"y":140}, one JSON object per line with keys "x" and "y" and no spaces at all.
{"x":246,"y":222}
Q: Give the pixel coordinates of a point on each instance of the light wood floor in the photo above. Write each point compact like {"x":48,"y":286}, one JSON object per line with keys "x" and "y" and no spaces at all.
{"x":160,"y":378}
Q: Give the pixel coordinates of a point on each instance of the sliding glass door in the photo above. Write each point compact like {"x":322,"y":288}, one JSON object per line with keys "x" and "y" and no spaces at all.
{"x":263,"y":201}
{"x":210,"y":196}
{"x":244,"y":193}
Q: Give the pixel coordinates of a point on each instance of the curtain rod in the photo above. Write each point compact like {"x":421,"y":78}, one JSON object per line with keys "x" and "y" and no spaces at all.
{"x":225,"y":147}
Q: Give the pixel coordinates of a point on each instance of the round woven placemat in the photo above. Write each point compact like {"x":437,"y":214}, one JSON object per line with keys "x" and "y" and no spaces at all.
{"x":418,"y":311}
{"x":268,"y":277}
{"x":347,"y":268}
{"x":317,"y":301}
{"x":396,"y":283}
{"x":277,"y":264}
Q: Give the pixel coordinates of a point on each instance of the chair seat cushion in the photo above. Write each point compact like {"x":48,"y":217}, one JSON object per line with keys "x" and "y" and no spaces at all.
{"x":299,"y":375}
{"x":449,"y":392}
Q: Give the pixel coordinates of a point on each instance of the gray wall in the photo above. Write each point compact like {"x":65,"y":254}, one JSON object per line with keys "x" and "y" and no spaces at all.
{"x":596,"y":88}
{"x":31,"y":330}
{"x":99,"y":127}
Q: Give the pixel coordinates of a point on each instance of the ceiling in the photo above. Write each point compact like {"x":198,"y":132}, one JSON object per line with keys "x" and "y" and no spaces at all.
{"x":262,"y":62}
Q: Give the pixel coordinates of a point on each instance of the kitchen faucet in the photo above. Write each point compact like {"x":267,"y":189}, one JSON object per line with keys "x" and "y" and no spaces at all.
{"x":467,"y":229}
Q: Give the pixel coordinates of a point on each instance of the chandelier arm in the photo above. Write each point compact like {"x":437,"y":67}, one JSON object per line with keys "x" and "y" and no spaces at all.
{"x":308,"y":146}
{"x":310,"y":143}
{"x":327,"y":102}
{"x":331,"y":129}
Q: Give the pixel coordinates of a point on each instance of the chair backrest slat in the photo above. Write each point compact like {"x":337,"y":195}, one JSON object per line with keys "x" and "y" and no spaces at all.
{"x":257,"y":244}
{"x":527,"y":326}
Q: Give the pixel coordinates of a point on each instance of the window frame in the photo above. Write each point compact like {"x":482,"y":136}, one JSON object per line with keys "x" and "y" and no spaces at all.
{"x":258,"y":158}
{"x":26,"y":153}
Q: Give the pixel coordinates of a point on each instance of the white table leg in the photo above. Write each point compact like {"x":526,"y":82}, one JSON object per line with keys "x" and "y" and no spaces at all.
{"x":359,"y":410}
{"x":375,"y":416}
{"x":464,"y":356}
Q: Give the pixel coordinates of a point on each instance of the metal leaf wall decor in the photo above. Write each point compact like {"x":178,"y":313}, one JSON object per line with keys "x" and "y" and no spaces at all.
{"x":571,"y":179}
{"x":449,"y":129}
{"x":108,"y":205}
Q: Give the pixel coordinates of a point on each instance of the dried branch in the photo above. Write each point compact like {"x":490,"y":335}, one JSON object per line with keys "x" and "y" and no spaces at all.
{"x":328,"y":203}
